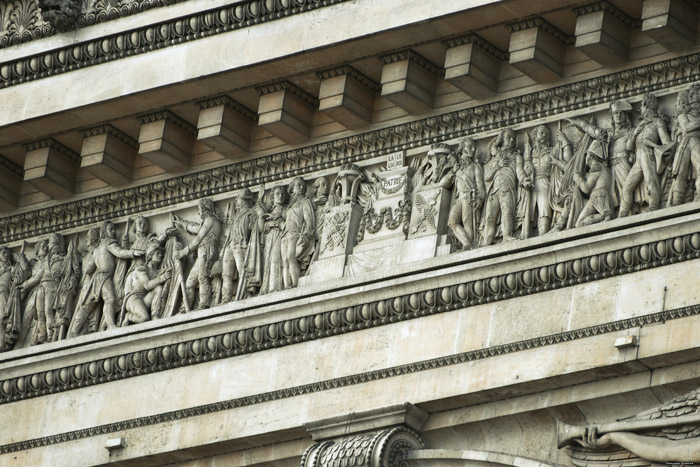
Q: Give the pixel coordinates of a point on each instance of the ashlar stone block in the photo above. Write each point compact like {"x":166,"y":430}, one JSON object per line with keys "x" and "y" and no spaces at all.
{"x":473,"y":65}
{"x":347,"y":96}
{"x":225,"y":126}
{"x":10,"y":182}
{"x":602,"y":32}
{"x":286,"y":111}
{"x":537,"y":49}
{"x":166,"y":140}
{"x":672,"y":23}
{"x":108,"y":154}
{"x":429,"y":212}
{"x":51,"y":168}
{"x":409,"y":80}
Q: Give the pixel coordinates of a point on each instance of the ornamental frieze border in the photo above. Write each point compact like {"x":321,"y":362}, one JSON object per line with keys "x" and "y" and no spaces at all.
{"x":468,"y":122}
{"x":378,"y":313}
{"x":152,"y":37}
{"x":352,"y":380}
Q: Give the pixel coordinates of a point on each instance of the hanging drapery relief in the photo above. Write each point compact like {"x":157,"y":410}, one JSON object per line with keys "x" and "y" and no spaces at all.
{"x":405,"y":206}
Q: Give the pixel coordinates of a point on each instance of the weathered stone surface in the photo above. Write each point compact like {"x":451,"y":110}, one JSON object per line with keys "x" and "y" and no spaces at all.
{"x":108,"y":154}
{"x":51,"y":168}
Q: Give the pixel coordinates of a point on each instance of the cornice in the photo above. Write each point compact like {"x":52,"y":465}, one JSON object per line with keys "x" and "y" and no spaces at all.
{"x":412,"y":56}
{"x":170,"y":117}
{"x":476,"y":40}
{"x":108,"y":129}
{"x":352,"y":380}
{"x":287,"y":86}
{"x":152,"y":37}
{"x":604,"y":5}
{"x":11,"y":166}
{"x":53,"y":144}
{"x":230,"y":103}
{"x":350,"y":71}
{"x":541,"y":23}
{"x":378,"y":313}
{"x":467,"y":122}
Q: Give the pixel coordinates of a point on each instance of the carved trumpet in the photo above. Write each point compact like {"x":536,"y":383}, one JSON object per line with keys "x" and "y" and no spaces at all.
{"x":566,"y":434}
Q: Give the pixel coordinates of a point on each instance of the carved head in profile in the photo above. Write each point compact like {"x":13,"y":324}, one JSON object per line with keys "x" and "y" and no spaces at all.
{"x":93,"y":236}
{"x":57,"y":244}
{"x":298,"y":186}
{"x":650,"y":105}
{"x":154,"y":254}
{"x":542,"y":135}
{"x":466,"y":149}
{"x":206,"y":208}
{"x":5,"y":254}
{"x":506,"y":139}
{"x":61,"y":14}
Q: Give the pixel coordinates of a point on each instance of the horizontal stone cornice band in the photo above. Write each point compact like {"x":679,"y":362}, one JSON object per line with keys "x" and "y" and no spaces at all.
{"x":467,"y":122}
{"x":352,"y":380}
{"x":375,"y":313}
{"x":152,"y":37}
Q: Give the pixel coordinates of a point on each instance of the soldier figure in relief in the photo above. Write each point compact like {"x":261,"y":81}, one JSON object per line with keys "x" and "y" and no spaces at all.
{"x":144,"y":287}
{"x":206,"y":244}
{"x":5,"y":280}
{"x":596,"y":184}
{"x":615,"y":139}
{"x":501,"y":174}
{"x":101,"y":287}
{"x":649,"y":135}
{"x":467,"y":179}
{"x":543,"y":175}
{"x":687,"y":157}
{"x":235,"y":249}
{"x":297,"y":241}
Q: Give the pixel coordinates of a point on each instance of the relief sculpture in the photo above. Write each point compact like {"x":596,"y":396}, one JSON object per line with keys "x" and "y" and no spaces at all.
{"x":455,"y":196}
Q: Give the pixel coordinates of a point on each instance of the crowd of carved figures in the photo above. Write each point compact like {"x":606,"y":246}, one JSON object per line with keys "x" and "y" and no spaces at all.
{"x":536,"y":182}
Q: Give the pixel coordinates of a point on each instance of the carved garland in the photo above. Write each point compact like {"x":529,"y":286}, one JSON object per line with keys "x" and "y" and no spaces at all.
{"x":157,"y":36}
{"x":345,"y":381}
{"x":378,"y":313}
{"x":468,"y":122}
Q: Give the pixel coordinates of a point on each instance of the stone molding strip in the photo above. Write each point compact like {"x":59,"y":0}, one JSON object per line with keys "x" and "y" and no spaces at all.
{"x":52,"y":143}
{"x":412,"y":56}
{"x":476,"y":40}
{"x":539,"y":22}
{"x":361,"y":316}
{"x":287,"y":86}
{"x":153,"y":37}
{"x":445,"y":127}
{"x":605,"y":5}
{"x":108,"y":129}
{"x":348,"y":70}
{"x":169,"y":116}
{"x":230,"y":103}
{"x":361,"y":378}
{"x":11,"y":166}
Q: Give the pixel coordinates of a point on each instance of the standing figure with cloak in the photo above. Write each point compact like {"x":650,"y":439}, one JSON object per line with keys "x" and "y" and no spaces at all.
{"x":270,"y":224}
{"x":298,"y":235}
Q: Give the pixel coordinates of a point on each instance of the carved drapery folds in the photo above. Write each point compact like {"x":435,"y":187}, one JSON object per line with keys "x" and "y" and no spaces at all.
{"x":666,"y":434}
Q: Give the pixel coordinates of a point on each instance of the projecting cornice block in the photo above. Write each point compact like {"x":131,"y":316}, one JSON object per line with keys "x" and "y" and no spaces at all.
{"x":11,"y":176}
{"x":166,"y":140}
{"x":537,"y":49}
{"x":225,"y":126}
{"x":603,"y":31}
{"x":108,"y":154}
{"x":672,"y":23}
{"x":51,"y":168}
{"x":473,"y":65}
{"x":408,"y":80}
{"x":286,"y":111}
{"x":347,"y":96}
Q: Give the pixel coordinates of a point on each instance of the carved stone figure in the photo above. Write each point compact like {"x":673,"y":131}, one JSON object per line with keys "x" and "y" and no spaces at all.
{"x":596,"y":184}
{"x":469,"y":193}
{"x":542,"y":178}
{"x":46,"y":277}
{"x":501,"y":174}
{"x":649,"y":144}
{"x":666,"y":434}
{"x":14,"y":269}
{"x":87,"y":283}
{"x":687,"y":159}
{"x":615,"y":141}
{"x":437,"y":167}
{"x":61,"y":14}
{"x":144,"y":288}
{"x":206,"y":244}
{"x":297,"y":242}
{"x":271,"y":224}
{"x":101,"y":288}
{"x":69,"y":275}
{"x":237,"y":262}
{"x":5,"y":280}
